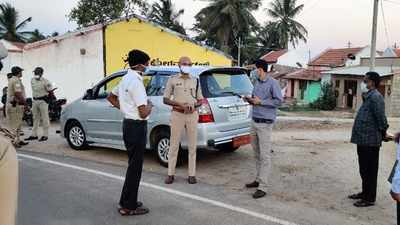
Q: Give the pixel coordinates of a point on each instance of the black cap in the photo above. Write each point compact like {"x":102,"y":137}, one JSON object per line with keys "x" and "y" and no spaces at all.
{"x":16,"y":70}
{"x":375,"y":77}
{"x":260,"y":63}
{"x":137,"y":57}
{"x":38,"y":70}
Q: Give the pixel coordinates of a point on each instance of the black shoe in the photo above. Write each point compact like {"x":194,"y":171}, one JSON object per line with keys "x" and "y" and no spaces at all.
{"x":253,"y":184}
{"x":22,"y":143}
{"x":192,"y":180}
{"x":259,"y":194}
{"x":31,"y":138}
{"x":169,"y":180}
{"x":363,"y":204}
{"x":43,"y":139}
{"x":356,"y":196}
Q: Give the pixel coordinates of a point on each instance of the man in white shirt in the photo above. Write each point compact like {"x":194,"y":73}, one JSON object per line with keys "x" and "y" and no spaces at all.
{"x":131,"y":98}
{"x":395,"y":179}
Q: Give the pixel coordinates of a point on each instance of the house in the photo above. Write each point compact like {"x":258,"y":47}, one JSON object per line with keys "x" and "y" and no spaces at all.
{"x":77,"y":60}
{"x":305,"y":85}
{"x":347,"y":83}
{"x":391,"y":52}
{"x":14,"y":58}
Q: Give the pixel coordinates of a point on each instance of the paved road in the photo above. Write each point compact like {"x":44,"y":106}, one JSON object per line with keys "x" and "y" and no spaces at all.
{"x":65,"y":191}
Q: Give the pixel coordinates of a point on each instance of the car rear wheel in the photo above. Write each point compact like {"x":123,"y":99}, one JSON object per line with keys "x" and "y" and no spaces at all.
{"x":161,"y":147}
{"x":76,"y":136}
{"x":228,"y":147}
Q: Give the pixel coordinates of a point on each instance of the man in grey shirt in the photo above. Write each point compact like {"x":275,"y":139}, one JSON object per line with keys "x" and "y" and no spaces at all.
{"x":266,"y":98}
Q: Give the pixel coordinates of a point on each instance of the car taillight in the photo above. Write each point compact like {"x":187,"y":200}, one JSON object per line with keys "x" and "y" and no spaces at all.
{"x":205,"y":113}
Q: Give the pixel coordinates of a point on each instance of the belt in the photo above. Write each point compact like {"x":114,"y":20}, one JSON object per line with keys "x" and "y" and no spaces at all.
{"x":258,"y":120}
{"x":40,"y":98}
{"x":178,"y":110}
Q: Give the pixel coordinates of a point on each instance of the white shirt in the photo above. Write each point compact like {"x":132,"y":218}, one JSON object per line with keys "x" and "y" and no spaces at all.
{"x":131,"y":94}
{"x":396,"y":178}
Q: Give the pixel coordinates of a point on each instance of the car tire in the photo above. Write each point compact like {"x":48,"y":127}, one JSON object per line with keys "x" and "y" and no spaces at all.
{"x":161,"y":149}
{"x":228,"y":148}
{"x":76,"y":136}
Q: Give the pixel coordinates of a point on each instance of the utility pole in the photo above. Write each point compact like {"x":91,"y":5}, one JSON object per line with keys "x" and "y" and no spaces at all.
{"x":239,"y":48}
{"x":374,"y":31}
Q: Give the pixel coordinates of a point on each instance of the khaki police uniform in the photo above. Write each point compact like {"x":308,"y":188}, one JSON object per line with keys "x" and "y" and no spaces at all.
{"x":15,"y":112}
{"x":183,"y":90}
{"x":9,"y":182}
{"x":40,"y":108}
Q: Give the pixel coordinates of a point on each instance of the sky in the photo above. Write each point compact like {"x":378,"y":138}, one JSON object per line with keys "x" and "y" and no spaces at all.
{"x":330,"y":24}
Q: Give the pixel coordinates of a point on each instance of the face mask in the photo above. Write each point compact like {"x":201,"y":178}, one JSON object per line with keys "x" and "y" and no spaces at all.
{"x":37,"y":77}
{"x":364,"y":88}
{"x":185,"y":69}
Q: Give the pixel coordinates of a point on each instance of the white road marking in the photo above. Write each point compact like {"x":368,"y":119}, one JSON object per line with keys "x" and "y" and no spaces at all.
{"x":168,"y":190}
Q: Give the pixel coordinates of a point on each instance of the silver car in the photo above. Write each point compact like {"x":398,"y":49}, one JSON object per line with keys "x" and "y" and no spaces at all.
{"x":224,"y":118}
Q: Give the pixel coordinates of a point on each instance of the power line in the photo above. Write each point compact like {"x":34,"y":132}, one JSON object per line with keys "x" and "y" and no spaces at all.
{"x":386,"y":26}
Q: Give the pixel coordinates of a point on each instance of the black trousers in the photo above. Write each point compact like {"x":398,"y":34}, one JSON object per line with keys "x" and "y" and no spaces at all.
{"x":398,"y":213}
{"x":135,"y":136}
{"x":368,"y":160}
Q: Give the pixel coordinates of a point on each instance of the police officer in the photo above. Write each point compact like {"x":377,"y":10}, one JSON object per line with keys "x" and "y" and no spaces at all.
{"x":183,"y":93}
{"x":16,"y":104}
{"x":40,"y":107}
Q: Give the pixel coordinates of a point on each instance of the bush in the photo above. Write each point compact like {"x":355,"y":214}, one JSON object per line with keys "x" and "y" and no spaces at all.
{"x":327,"y":100}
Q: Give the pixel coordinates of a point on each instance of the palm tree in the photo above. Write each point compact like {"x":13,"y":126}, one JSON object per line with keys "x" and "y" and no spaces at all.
{"x":224,"y":21}
{"x":163,"y":13}
{"x":283,"y":12}
{"x":10,"y":29}
{"x":36,"y":35}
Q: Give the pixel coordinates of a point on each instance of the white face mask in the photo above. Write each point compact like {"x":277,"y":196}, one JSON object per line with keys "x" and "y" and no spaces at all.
{"x":37,"y":77}
{"x":185,"y":69}
{"x":364,"y":88}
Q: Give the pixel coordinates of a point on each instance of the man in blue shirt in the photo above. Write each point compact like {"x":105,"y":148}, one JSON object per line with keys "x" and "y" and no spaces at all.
{"x":266,"y":99}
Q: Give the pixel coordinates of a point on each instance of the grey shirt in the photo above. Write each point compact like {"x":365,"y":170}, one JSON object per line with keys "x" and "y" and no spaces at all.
{"x":269,"y":91}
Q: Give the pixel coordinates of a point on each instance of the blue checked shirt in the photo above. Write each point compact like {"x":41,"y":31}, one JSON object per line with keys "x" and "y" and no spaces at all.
{"x":270,"y":93}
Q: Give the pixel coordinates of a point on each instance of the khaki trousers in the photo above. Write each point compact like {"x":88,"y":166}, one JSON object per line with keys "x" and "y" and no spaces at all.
{"x":179,"y":123}
{"x":9,"y":182}
{"x":40,"y":112}
{"x":14,"y":117}
{"x":261,"y":142}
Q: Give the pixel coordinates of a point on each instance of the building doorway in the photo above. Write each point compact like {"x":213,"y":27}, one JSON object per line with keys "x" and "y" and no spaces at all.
{"x":350,"y":91}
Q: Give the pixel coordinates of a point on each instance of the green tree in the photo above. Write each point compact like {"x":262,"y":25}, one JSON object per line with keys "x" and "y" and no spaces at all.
{"x":36,"y":35}
{"x":10,"y":28}
{"x":163,"y":13}
{"x":283,"y":13}
{"x":222,"y":22}
{"x":90,"y":12}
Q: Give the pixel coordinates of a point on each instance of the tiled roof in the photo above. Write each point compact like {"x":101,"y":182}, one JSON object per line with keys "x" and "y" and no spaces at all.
{"x":397,"y":51}
{"x":20,"y":45}
{"x":334,"y":57}
{"x":304,"y":74}
{"x":273,"y":56}
{"x":281,"y":71}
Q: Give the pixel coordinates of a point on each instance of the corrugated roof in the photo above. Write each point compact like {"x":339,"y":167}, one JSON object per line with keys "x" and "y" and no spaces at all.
{"x":273,"y":56}
{"x":334,"y":57}
{"x":305,"y":74}
{"x":362,"y":70}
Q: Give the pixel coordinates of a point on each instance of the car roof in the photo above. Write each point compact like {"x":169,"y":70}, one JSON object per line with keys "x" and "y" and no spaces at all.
{"x":195,"y":70}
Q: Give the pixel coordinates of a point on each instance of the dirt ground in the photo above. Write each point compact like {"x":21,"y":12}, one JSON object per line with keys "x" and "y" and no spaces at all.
{"x":314,"y":167}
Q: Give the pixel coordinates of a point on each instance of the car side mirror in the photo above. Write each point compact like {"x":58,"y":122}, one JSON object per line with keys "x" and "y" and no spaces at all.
{"x":89,"y":94}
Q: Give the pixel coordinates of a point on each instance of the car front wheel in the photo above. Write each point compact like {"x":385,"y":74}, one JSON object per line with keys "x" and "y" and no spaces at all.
{"x":76,"y":136}
{"x":161,"y":147}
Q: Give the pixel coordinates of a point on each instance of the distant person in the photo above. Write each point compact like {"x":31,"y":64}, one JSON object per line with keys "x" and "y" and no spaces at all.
{"x":131,"y":98}
{"x":40,"y":105}
{"x":369,"y":130}
{"x":16,"y":104}
{"x":395,"y":179}
{"x":183,"y":93}
{"x":266,"y":98}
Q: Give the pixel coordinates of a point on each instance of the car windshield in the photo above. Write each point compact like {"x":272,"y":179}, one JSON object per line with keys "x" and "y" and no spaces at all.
{"x":223,"y":84}
{"x":156,"y":85}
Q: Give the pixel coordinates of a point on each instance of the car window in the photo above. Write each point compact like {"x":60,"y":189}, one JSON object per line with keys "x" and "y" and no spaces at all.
{"x":157,"y":84}
{"x":225,"y":84}
{"x":104,"y":89}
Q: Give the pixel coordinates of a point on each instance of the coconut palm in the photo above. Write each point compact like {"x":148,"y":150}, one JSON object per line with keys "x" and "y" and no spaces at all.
{"x":36,"y":35}
{"x":223,"y":21}
{"x":283,"y":13}
{"x":163,"y":13}
{"x":10,"y":28}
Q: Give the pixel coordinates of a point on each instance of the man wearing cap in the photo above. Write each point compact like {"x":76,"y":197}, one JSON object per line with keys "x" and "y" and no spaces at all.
{"x":183,"y":93}
{"x":16,"y":104}
{"x":40,"y":107}
{"x":267,"y":97}
{"x":131,"y":98}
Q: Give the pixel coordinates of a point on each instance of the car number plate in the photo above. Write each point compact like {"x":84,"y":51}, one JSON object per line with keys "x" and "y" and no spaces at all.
{"x":238,"y":113}
{"x":242,"y":140}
